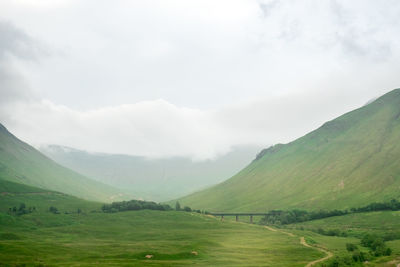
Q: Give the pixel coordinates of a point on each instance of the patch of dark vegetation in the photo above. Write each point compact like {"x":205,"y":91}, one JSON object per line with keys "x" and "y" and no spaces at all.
{"x":376,"y":244}
{"x":54,"y":210}
{"x":188,"y":209}
{"x":351,"y":247}
{"x":377,"y":248}
{"x":144,"y":205}
{"x":330,"y":232}
{"x":9,"y":236}
{"x":389,"y":236}
{"x":21,"y":210}
{"x":342,"y":261}
{"x":294,"y":216}
{"x":134,"y":205}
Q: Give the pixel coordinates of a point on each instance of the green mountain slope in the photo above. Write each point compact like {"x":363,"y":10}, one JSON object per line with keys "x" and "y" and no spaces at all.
{"x":156,"y":179}
{"x":21,"y":163}
{"x":350,"y":161}
{"x":13,"y":194}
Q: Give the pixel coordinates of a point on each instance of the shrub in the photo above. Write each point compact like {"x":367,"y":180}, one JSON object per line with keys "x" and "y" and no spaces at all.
{"x":54,"y":210}
{"x":351,"y":247}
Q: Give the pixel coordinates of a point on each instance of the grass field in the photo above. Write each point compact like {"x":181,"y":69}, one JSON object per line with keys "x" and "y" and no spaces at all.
{"x":381,"y":223}
{"x":125,"y":238}
{"x":173,"y":238}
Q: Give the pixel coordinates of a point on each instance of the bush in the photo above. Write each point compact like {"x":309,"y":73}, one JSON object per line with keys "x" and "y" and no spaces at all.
{"x":54,"y":210}
{"x":331,"y":232}
{"x":376,"y":244}
{"x":187,"y":209}
{"x":368,"y":239}
{"x":359,"y":256}
{"x":351,"y":247}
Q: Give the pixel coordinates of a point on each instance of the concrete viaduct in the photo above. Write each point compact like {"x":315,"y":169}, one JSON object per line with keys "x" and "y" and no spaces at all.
{"x":237,"y":214}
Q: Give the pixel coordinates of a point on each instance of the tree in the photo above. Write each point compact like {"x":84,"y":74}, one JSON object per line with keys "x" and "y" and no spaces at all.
{"x":22,"y":207}
{"x":177,"y":206}
{"x":351,"y":247}
{"x":54,"y":210}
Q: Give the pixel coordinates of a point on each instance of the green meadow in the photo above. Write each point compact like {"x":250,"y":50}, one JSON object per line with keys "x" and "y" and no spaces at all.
{"x":89,"y":238}
{"x":384,"y":224}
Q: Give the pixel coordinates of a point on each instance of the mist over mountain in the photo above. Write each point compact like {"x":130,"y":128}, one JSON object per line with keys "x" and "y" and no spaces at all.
{"x":155,"y":179}
{"x":23,"y":164}
{"x":350,"y":161}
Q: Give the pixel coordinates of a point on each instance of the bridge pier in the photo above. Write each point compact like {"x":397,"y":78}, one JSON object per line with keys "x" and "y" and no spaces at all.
{"x":238,"y":214}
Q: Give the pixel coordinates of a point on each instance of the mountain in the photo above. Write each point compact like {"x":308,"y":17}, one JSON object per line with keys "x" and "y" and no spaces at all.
{"x":154,"y":179}
{"x":21,"y":163}
{"x":347,"y":162}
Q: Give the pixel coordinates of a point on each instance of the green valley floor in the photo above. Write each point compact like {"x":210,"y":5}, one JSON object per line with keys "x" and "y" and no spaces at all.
{"x":79,"y":234}
{"x":124,"y":239}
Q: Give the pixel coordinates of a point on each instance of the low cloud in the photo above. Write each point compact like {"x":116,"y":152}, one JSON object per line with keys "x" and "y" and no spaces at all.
{"x":197,"y":77}
{"x":160,"y":129}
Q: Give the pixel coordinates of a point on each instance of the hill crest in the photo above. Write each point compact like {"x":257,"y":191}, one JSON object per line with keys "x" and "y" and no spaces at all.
{"x":350,"y":161}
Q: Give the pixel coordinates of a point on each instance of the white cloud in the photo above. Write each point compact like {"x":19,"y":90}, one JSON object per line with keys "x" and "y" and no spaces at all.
{"x":229,"y":72}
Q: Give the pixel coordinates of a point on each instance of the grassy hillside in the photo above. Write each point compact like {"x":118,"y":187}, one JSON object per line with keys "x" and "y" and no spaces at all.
{"x":125,"y":238}
{"x":13,"y":194}
{"x":381,"y":223}
{"x":155,"y":179}
{"x":21,"y":163}
{"x":384,"y":224}
{"x":348,"y":162}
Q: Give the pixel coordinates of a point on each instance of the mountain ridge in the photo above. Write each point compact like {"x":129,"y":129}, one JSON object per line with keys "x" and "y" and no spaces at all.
{"x":349,"y":161}
{"x":21,"y":163}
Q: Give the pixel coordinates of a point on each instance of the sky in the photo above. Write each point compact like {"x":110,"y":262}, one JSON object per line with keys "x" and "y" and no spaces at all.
{"x":162,"y":78}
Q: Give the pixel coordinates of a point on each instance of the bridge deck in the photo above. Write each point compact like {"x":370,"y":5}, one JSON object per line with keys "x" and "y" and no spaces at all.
{"x":239,"y":214}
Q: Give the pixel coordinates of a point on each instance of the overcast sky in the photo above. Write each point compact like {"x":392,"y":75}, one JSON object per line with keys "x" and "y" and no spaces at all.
{"x":190,"y":78}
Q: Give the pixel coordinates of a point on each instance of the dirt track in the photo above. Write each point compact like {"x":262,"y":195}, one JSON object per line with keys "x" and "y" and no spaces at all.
{"x":328,"y":253}
{"x":304,"y":243}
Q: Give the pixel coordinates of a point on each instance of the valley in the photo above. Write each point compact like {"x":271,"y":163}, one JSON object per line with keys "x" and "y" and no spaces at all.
{"x":329,"y":198}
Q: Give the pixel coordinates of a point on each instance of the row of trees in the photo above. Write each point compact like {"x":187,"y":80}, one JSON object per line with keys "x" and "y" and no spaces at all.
{"x":21,"y":210}
{"x":143,"y":205}
{"x":55,"y":210}
{"x":187,"y":209}
{"x":134,"y":205}
{"x":293,"y":216}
